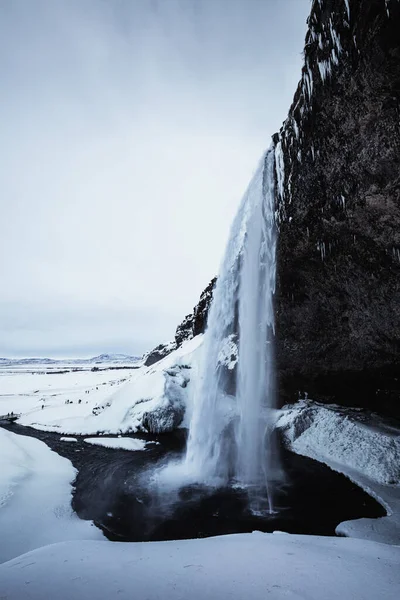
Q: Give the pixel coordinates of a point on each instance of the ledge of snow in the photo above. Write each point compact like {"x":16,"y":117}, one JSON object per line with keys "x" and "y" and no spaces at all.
{"x":351,"y":437}
{"x":256,"y":566}
{"x":117,"y":443}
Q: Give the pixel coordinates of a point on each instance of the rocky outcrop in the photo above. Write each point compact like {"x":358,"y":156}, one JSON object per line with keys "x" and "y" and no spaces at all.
{"x":158,"y":353}
{"x":193,"y":324}
{"x":338,"y":214}
{"x":338,"y":182}
{"x":196,"y":322}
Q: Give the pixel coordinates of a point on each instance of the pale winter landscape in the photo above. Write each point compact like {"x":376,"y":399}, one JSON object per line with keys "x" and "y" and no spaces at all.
{"x":256,"y":453}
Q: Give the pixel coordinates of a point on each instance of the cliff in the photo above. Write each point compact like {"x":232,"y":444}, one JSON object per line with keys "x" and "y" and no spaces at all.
{"x":338,"y":211}
{"x":193,"y":324}
{"x":337,"y":155}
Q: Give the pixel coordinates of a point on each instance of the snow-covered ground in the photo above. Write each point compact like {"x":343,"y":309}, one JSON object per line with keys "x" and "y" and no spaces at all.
{"x":118,"y":443}
{"x":35,"y":498}
{"x":255,"y":566}
{"x":87,"y":402}
{"x":363,"y":446}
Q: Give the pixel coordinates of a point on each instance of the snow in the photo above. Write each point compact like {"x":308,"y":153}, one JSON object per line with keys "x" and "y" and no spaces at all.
{"x":256,"y":566}
{"x":118,"y":443}
{"x":103,"y":360}
{"x":363,"y":446}
{"x":87,"y":403}
{"x":350,"y":437}
{"x":35,"y":497}
{"x":68,"y":439}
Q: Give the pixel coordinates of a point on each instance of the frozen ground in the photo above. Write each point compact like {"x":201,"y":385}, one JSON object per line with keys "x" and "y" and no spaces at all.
{"x":363,"y":446}
{"x":86,"y":402}
{"x":118,"y":443}
{"x":35,"y":497}
{"x":256,"y":566}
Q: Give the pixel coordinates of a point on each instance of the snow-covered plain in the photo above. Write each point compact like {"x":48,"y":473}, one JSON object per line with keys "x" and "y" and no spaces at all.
{"x":255,"y":566}
{"x":87,"y":402}
{"x":364,"y":447}
{"x":35,"y":498}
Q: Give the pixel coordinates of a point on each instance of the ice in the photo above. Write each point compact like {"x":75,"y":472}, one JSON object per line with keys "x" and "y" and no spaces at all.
{"x":280,"y":169}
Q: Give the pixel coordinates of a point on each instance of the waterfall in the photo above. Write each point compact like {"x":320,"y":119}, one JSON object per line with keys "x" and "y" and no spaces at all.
{"x":230,"y":438}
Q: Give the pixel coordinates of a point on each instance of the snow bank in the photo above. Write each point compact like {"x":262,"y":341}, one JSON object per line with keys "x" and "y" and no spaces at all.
{"x":117,"y":443}
{"x":256,"y":566}
{"x":361,"y":445}
{"x":153,"y":399}
{"x":351,"y":437}
{"x":35,"y":497}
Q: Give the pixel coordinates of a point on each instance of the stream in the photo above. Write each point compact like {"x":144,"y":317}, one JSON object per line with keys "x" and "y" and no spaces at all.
{"x":113,"y":489}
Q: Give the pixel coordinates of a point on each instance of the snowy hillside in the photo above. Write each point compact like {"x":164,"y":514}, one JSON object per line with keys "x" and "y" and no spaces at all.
{"x":87,"y":402}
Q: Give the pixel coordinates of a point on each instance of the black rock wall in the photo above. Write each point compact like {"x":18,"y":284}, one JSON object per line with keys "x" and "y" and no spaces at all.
{"x":338,"y":211}
{"x":193,"y":324}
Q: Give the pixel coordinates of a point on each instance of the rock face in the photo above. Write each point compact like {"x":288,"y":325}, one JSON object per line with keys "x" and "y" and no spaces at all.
{"x":158,"y":353}
{"x":196,"y":322}
{"x":192,"y":325}
{"x":338,"y":181}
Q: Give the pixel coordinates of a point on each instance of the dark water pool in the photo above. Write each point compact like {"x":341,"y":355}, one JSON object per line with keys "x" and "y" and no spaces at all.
{"x":113,"y":489}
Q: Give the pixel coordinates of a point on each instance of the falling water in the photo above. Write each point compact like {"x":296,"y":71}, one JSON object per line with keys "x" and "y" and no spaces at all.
{"x":230,"y":437}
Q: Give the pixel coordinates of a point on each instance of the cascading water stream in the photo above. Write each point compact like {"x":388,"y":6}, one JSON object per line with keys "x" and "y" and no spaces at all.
{"x":230,"y":438}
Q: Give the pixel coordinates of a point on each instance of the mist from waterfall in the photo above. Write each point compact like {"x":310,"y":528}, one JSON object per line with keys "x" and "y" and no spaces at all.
{"x":230,"y":439}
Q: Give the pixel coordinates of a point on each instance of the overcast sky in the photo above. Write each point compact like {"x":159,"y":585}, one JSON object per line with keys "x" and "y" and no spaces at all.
{"x":130,"y":129}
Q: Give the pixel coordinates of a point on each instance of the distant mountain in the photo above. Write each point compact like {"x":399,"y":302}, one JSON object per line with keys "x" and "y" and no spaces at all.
{"x":100,"y":359}
{"x":117,"y":358}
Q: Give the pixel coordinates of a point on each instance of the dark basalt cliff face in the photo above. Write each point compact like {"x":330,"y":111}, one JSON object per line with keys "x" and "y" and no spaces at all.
{"x":192,"y":325}
{"x":338,"y":198}
{"x":196,"y":322}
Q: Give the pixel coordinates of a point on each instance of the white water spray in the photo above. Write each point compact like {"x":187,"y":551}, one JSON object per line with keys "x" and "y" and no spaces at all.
{"x":230,"y":437}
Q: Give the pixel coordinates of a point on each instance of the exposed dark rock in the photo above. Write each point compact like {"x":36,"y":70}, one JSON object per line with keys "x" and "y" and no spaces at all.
{"x":196,"y":322}
{"x":163,"y":419}
{"x":159,"y":352}
{"x":192,"y":325}
{"x":338,"y":176}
